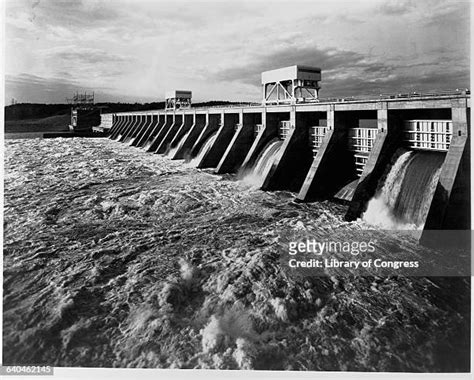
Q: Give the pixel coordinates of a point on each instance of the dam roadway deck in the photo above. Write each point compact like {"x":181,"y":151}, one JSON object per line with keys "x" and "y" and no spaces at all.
{"x":343,"y":104}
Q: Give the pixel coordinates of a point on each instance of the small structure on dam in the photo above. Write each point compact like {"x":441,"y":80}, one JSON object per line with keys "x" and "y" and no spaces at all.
{"x":354,"y":150}
{"x":84,"y":114}
{"x":178,"y":99}
{"x":290,"y":85}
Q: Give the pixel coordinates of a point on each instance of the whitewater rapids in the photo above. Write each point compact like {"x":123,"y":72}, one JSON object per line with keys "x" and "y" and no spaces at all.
{"x":118,"y":258}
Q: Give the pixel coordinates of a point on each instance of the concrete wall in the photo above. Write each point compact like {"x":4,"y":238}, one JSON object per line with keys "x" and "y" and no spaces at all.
{"x":211,"y":127}
{"x":106,"y":121}
{"x":270,"y":123}
{"x":146,"y":125}
{"x":117,"y":124}
{"x":168,"y":137}
{"x":187,"y":124}
{"x":141,"y":140}
{"x":126,"y":122}
{"x":136,"y":129}
{"x":240,"y":144}
{"x":389,"y":136}
{"x":333,"y":166}
{"x":295,"y":157}
{"x":191,"y":137}
{"x":169,"y":121}
{"x":224,"y":136}
{"x":131,"y":127}
{"x":154,"y":132}
{"x":126,"y":127}
{"x":452,"y":198}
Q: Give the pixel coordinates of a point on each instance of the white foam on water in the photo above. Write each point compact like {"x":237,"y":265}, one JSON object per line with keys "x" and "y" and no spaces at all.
{"x":257,"y":175}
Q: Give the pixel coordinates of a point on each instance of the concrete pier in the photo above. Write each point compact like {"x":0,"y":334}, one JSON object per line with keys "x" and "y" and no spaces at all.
{"x":388,"y":139}
{"x":333,"y":165}
{"x":200,"y":123}
{"x":180,"y":136}
{"x":224,"y":136}
{"x":153,"y":127}
{"x":291,"y":165}
{"x":270,"y":124}
{"x":162,"y":119}
{"x":118,"y":133}
{"x":240,"y":144}
{"x":452,"y":198}
{"x":163,"y":146}
{"x":134,"y":121}
{"x":169,"y":122}
{"x":135,"y":130}
{"x":212,"y":125}
{"x":148,"y":121}
{"x":116,"y":125}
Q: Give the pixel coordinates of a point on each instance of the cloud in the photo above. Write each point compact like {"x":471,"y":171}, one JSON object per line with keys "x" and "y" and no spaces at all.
{"x":396,"y":7}
{"x":449,"y":14}
{"x":220,"y":49}
{"x":348,"y":73}
{"x":32,"y":88}
{"x":89,"y":56}
{"x":331,"y":60}
{"x":29,"y":88}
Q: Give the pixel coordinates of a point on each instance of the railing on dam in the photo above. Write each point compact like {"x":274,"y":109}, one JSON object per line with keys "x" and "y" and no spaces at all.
{"x":316,"y":134}
{"x":401,"y":96}
{"x":428,"y":134}
{"x":371,"y":98}
{"x":361,"y":142}
{"x":284,"y":129}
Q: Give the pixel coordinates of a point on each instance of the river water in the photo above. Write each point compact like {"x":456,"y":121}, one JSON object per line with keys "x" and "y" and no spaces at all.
{"x":114,"y":257}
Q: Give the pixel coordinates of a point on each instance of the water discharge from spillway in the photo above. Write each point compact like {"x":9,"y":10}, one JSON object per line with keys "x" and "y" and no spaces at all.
{"x":404,"y":199}
{"x":202,"y":152}
{"x":169,"y":266}
{"x":264,"y":162}
{"x":178,"y":146}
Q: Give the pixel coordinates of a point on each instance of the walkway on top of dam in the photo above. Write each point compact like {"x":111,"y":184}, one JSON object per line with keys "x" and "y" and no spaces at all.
{"x":354,"y":103}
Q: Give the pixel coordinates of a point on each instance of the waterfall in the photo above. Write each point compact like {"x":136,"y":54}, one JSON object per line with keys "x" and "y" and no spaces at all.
{"x":263,"y":163}
{"x":202,"y":152}
{"x":178,"y":146}
{"x":404,"y":199}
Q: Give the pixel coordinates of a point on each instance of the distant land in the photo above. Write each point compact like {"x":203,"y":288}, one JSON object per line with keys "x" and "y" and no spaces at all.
{"x":37,"y":117}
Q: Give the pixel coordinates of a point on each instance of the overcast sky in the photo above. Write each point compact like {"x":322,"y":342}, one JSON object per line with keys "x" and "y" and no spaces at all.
{"x":135,"y":50}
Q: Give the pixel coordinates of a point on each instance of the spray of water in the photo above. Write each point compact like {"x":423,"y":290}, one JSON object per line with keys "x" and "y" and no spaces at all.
{"x":202,"y":152}
{"x":264,"y":162}
{"x":403,"y":201}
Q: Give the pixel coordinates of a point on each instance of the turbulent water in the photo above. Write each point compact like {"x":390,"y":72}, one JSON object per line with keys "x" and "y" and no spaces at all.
{"x":256,"y":176}
{"x":404,"y":199}
{"x":118,"y":258}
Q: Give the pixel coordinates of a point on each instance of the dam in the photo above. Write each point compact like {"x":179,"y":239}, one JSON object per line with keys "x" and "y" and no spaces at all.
{"x":395,"y":160}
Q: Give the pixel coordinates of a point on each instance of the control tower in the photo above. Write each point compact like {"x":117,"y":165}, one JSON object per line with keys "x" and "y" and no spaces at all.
{"x":178,"y":99}
{"x":291,"y":85}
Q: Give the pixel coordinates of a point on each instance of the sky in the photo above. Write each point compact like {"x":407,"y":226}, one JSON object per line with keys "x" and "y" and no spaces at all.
{"x":135,"y":50}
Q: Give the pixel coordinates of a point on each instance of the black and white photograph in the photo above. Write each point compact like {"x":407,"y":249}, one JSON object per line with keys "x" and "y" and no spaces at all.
{"x":228,"y":188}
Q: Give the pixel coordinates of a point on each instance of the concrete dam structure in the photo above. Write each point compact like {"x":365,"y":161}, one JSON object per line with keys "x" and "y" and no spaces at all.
{"x":405,"y":157}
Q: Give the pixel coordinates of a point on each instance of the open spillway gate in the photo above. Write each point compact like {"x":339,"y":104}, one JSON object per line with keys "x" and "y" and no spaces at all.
{"x":337,"y":149}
